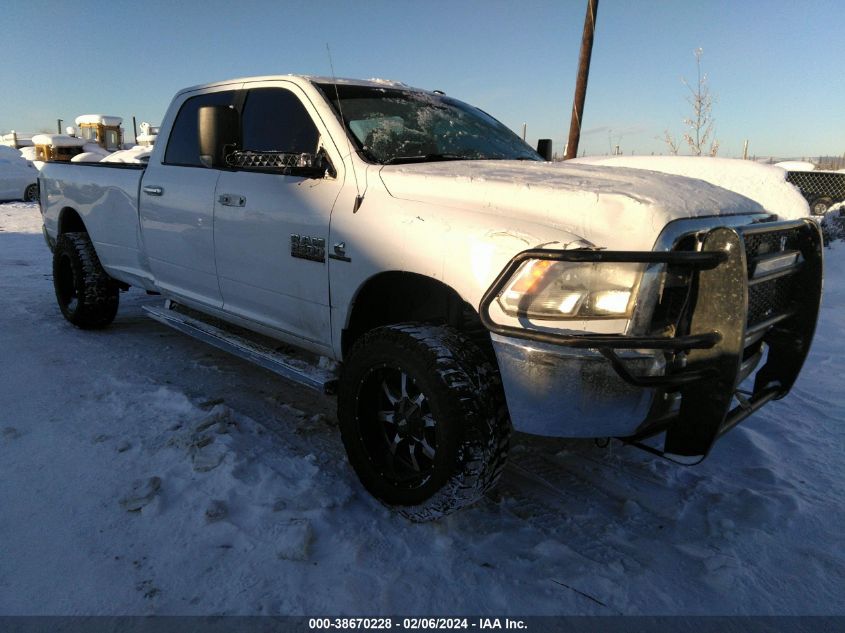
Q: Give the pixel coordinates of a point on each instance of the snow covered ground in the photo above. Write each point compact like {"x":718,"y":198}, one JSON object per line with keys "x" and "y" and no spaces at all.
{"x":142,"y":472}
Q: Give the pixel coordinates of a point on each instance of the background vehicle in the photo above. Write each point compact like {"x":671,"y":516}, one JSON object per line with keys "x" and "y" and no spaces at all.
{"x":102,"y":130}
{"x":822,"y":189}
{"x":18,"y":177}
{"x":56,"y":147}
{"x":454,"y":283}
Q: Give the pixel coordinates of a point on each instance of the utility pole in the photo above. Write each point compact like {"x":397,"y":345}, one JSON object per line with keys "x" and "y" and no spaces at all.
{"x":59,"y":125}
{"x":745,"y":150}
{"x":581,"y":80}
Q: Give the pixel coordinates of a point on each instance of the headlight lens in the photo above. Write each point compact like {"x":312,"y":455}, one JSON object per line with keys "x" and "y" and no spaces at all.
{"x":545,"y":289}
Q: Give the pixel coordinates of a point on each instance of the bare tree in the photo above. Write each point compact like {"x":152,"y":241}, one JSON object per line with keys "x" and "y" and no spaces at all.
{"x":671,"y":142}
{"x":699,"y":135}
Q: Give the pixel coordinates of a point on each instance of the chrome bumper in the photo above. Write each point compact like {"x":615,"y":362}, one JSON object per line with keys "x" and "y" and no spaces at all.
{"x":562,"y":392}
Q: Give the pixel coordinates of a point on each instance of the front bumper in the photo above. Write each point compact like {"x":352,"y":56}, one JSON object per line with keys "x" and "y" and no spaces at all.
{"x":745,"y":306}
{"x":561,"y":392}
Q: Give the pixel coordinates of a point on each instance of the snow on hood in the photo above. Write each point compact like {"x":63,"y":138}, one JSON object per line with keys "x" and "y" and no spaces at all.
{"x":612,"y":207}
{"x":764,"y":183}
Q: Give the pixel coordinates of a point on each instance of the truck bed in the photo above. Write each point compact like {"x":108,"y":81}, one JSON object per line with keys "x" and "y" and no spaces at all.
{"x":79,"y":189}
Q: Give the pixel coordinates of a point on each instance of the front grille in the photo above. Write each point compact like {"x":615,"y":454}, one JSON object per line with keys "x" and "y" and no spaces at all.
{"x":769,"y":299}
{"x":760,"y":244}
{"x":773,"y":297}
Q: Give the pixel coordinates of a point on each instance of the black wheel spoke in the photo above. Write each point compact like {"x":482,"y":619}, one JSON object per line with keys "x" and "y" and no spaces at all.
{"x":427,"y":449}
{"x":412,"y":447}
{"x":393,"y":444}
{"x":390,"y":396}
{"x":386,"y":417}
{"x":403,"y":384}
{"x":402,"y":436}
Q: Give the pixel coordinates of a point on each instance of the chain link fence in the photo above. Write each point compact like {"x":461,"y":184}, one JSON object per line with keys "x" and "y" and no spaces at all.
{"x":822,"y":189}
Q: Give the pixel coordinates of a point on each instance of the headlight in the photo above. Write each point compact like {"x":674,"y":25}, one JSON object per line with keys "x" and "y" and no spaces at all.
{"x":545,"y":289}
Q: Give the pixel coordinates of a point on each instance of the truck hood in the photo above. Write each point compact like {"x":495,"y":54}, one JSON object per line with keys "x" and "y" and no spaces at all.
{"x":766,"y":184}
{"x":612,"y":207}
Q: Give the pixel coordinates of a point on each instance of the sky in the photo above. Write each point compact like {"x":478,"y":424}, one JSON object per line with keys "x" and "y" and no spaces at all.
{"x":774,"y":66}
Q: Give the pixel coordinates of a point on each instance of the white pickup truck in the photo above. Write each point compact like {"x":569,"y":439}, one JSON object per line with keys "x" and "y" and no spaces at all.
{"x":440,"y":276}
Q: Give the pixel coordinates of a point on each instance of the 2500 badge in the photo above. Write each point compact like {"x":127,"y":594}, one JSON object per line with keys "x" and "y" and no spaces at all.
{"x":307,"y":247}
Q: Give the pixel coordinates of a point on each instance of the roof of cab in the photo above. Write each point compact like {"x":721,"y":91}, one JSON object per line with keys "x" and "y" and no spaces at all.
{"x":312,"y":79}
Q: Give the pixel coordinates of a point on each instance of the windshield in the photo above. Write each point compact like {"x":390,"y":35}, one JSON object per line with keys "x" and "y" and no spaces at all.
{"x":394,"y":125}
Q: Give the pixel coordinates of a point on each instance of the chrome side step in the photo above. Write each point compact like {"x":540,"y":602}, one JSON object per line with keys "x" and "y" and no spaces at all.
{"x":286,"y":365}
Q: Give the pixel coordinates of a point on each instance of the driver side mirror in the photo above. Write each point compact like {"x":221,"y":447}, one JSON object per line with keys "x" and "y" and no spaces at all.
{"x":219,"y":130}
{"x":544,"y":148}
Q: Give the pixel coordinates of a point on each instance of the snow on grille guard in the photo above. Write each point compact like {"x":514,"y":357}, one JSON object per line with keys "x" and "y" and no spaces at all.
{"x":755,"y":284}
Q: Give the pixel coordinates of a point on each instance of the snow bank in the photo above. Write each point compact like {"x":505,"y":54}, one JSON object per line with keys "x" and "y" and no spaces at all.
{"x":87,"y":157}
{"x":93,"y":148}
{"x":764,"y":184}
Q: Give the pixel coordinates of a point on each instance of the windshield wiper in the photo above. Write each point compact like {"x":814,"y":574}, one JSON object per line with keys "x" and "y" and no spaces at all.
{"x":425,"y":158}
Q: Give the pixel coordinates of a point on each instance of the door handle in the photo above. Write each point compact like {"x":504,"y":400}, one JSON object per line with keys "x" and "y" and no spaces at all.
{"x":231,"y":200}
{"x":153,"y":191}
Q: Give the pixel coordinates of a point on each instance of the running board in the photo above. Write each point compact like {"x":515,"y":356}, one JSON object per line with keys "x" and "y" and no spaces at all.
{"x":286,"y":365}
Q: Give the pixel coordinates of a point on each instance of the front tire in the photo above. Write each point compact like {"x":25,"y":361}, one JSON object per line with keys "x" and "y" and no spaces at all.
{"x":423,"y":419}
{"x":87,"y":296}
{"x":821,"y":205}
{"x":31,"y":193}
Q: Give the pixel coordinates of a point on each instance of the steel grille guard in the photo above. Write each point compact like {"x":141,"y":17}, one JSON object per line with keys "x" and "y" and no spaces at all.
{"x":717,"y":338}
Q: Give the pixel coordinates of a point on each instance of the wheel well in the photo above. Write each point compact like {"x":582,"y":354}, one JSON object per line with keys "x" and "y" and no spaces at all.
{"x":398,"y":297}
{"x":70,"y":222}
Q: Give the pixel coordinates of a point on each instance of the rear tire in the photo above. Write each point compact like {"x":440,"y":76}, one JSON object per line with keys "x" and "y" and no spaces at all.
{"x":423,"y":419}
{"x":31,"y":193}
{"x":87,"y":296}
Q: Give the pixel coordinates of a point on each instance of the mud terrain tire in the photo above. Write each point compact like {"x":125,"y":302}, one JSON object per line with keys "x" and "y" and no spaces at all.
{"x":423,"y":418}
{"x":87,"y":296}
